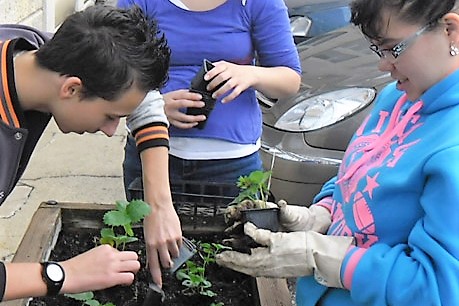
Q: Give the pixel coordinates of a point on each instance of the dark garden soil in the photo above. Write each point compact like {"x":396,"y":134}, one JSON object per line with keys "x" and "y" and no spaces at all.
{"x":232,"y":288}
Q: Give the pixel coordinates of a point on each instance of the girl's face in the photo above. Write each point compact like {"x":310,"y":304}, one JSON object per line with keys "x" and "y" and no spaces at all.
{"x":424,"y":59}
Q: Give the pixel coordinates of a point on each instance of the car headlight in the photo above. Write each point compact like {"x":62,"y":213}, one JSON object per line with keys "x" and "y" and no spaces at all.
{"x":325,"y":109}
{"x":300,"y":26}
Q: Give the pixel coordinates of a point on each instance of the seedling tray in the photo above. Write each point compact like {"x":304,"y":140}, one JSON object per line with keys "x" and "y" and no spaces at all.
{"x":49,"y":218}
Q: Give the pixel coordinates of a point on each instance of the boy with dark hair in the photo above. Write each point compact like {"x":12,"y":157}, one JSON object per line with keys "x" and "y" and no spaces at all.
{"x":101,"y":65}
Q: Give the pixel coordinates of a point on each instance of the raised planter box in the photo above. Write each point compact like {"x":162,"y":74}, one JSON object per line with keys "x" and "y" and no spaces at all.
{"x":47,"y":222}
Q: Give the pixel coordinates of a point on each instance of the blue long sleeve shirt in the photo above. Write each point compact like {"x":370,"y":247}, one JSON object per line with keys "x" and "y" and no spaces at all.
{"x":236,"y":31}
{"x":397,"y":193}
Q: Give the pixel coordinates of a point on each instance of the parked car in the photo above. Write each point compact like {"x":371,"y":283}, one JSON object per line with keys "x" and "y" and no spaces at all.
{"x":304,"y":136}
{"x":309,"y":18}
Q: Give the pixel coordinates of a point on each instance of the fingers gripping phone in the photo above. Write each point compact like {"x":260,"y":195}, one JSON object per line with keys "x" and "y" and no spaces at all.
{"x":199,"y":85}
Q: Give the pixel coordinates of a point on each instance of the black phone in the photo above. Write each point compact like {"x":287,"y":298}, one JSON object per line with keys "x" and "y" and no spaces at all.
{"x":199,"y":85}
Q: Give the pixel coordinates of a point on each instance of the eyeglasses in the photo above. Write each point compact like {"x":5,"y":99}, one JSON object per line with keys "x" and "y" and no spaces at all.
{"x":398,"y":48}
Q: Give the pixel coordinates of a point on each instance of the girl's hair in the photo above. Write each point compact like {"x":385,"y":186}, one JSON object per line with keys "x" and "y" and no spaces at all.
{"x":367,"y":14}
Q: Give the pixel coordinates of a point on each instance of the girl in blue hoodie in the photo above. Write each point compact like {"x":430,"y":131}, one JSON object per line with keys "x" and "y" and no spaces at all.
{"x":389,"y":220}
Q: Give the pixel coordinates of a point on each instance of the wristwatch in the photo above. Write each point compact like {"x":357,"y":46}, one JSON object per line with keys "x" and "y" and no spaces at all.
{"x":53,"y":275}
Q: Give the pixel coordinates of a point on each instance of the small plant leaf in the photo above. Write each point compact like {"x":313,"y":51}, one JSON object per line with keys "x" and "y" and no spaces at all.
{"x":253,"y":186}
{"x":121,"y":205}
{"x":92,"y":303}
{"x":128,"y":230}
{"x":125,"y":239}
{"x":181,"y":275}
{"x":116,"y":218}
{"x":137,"y":210}
{"x":84,"y":296}
{"x":107,"y":232}
{"x":208,"y":293}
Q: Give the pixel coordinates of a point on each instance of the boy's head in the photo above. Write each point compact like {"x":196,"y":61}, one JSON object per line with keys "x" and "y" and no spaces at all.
{"x":109,"y":50}
{"x":110,"y":58}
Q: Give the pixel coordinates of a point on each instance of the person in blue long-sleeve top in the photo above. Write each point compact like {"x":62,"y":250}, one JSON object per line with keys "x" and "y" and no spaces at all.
{"x":250,"y":44}
{"x":385,"y":230}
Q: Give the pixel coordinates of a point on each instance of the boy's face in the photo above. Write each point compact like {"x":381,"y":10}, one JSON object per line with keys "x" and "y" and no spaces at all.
{"x":96,"y":114}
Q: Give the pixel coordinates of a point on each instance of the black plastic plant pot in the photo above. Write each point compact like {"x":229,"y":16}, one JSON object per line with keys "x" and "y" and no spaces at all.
{"x":265,"y":218}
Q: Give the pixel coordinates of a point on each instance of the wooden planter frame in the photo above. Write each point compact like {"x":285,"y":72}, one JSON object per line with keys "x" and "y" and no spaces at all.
{"x":46,"y":223}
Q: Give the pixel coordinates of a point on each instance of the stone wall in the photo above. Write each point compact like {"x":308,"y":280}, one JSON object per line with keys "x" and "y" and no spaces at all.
{"x":29,"y":12}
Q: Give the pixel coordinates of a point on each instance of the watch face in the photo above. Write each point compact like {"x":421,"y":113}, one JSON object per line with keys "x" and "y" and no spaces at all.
{"x":54,"y":272}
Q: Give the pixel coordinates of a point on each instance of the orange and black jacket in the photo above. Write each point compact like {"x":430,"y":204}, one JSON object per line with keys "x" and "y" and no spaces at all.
{"x":19,"y":130}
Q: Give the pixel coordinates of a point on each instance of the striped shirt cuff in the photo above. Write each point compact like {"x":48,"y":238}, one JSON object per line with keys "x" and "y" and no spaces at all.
{"x":151,"y":135}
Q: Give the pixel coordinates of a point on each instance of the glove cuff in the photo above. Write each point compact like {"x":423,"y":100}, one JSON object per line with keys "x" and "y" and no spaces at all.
{"x":326,"y":255}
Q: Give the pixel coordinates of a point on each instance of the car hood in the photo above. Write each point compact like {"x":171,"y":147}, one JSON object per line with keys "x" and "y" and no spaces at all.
{"x":332,"y":61}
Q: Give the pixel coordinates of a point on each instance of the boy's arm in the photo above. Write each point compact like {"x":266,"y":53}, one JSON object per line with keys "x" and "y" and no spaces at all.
{"x":162,"y":229}
{"x":163,"y":234}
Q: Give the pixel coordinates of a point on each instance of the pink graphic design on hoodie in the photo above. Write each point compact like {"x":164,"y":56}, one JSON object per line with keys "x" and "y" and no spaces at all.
{"x":366,"y":152}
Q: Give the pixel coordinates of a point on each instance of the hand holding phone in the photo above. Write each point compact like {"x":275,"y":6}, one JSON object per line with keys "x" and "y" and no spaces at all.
{"x":199,"y":85}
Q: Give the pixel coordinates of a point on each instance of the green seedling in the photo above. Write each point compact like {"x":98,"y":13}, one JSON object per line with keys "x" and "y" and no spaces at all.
{"x":193,"y":275}
{"x":254,"y":187}
{"x":123,"y":217}
{"x":87,"y":298}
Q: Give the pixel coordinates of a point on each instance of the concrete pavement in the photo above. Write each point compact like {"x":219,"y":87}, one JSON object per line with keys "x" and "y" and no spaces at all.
{"x":67,"y":168}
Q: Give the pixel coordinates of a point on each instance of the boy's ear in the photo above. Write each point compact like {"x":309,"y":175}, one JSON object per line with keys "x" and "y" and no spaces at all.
{"x":71,"y":87}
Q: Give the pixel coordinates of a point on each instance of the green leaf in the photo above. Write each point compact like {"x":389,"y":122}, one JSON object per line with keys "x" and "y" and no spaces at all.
{"x":137,"y":210}
{"x":125,"y":239}
{"x":84,"y":296}
{"x":116,"y":218}
{"x":128,"y":230}
{"x":109,"y":241}
{"x":107,"y":232}
{"x":181,"y":274}
{"x":256,"y":177}
{"x":121,"y":205}
{"x":220,"y":247}
{"x":208,"y":293}
{"x":92,"y":303}
{"x":188,"y":283}
{"x":254,"y":186}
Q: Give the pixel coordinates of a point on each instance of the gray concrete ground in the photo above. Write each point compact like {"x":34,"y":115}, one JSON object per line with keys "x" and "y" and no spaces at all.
{"x":67,"y":168}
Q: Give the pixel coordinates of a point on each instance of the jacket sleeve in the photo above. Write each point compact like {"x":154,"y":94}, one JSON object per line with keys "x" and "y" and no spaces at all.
{"x":327,"y":190}
{"x":423,"y":271}
{"x":148,"y":123}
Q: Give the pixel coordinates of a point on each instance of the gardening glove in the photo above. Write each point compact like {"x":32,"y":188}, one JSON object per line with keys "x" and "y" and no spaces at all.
{"x":291,"y":255}
{"x":232,"y":213}
{"x":301,"y":218}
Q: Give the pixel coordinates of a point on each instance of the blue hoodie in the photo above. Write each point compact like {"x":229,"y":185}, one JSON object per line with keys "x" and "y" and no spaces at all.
{"x":397,"y":193}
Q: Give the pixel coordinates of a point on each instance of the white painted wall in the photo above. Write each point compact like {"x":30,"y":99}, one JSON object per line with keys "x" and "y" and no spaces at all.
{"x":42,"y":14}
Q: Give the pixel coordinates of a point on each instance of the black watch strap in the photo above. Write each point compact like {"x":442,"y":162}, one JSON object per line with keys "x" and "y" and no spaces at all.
{"x":53,"y":274}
